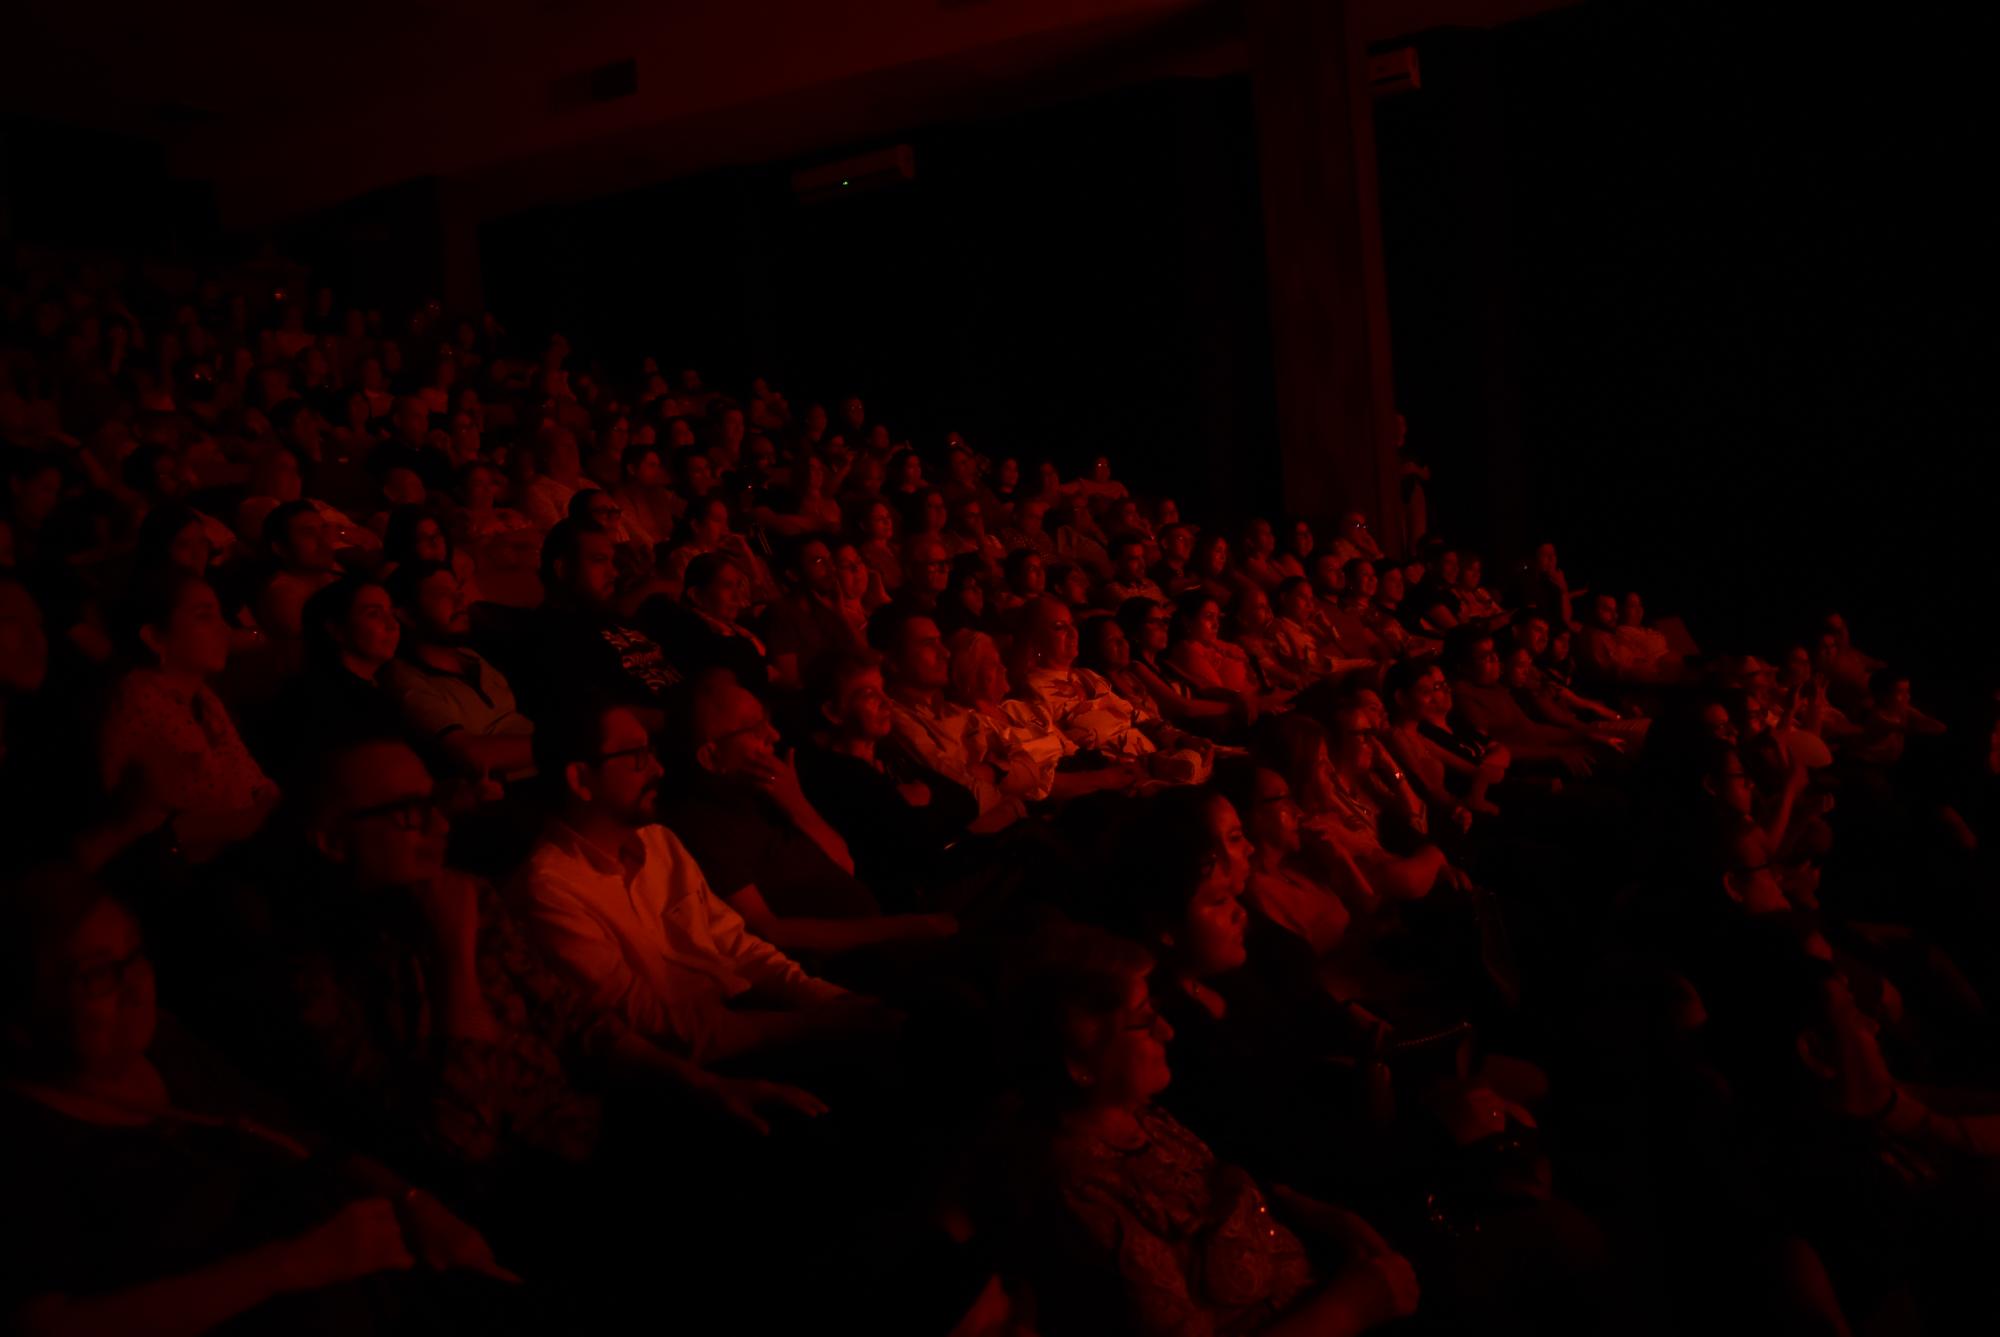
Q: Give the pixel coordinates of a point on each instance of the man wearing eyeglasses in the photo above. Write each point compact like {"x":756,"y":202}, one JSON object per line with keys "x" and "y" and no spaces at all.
{"x":421,"y":1011}
{"x":626,"y":912}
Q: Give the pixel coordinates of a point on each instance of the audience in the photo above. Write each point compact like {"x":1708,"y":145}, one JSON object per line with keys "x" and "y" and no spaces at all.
{"x":925,"y":827}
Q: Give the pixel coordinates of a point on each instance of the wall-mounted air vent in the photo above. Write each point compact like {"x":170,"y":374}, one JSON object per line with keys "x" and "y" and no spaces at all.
{"x":606,"y":83}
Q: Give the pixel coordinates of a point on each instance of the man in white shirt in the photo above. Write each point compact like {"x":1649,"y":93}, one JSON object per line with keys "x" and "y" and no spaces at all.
{"x":622,"y":907}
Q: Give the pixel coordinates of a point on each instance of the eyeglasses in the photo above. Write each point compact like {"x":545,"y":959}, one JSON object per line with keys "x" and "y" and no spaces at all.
{"x":761,"y":726}
{"x":107,"y":978}
{"x":407,"y":814}
{"x":633,"y":754}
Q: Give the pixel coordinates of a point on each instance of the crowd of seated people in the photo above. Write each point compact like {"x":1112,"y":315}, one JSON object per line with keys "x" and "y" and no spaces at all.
{"x":498,"y":844}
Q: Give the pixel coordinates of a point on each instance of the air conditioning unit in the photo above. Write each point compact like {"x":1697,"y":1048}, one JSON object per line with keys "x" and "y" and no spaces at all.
{"x":851,"y":176}
{"x":1394,"y":72}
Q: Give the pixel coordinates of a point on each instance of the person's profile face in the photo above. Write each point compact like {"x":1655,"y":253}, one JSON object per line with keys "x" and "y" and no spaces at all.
{"x":930,"y":568}
{"x":1128,"y":1065}
{"x":102,"y":1005}
{"x":851,"y":571}
{"x":1302,"y":540}
{"x":1131,"y":562}
{"x":881,"y":523}
{"x":1390,"y":588}
{"x":1255,"y":611}
{"x":1034,"y":577}
{"x":1273,"y":817}
{"x":1295,"y":604}
{"x":1010,"y":473}
{"x":729,"y":596}
{"x":864,"y":707}
{"x":711,"y":523}
{"x":921,"y":659}
{"x":625,"y":781}
{"x":482,"y":489}
{"x":1055,"y":634}
{"x":650,"y":472}
{"x":196,"y":637}
{"x":910,"y":471}
{"x":441,"y":609}
{"x":190,"y":549}
{"x":371,"y":630}
{"x":1520,"y":668}
{"x":429,"y":544}
{"x":1485,"y":664}
{"x":594,"y":579}
{"x":745,"y":740}
{"x":1433,"y":696}
{"x":816,"y":570}
{"x":1604,"y":611}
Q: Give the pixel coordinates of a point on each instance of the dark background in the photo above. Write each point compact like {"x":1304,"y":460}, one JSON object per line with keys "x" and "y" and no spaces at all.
{"x":1082,"y":280}
{"x":1720,"y":278}
{"x":1701,"y":291}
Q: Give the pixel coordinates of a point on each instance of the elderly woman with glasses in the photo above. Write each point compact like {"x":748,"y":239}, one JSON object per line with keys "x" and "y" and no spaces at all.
{"x":1148,"y":1231}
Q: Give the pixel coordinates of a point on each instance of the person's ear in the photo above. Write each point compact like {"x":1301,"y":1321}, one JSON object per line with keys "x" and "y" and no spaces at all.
{"x":1709,"y":787}
{"x":830,"y":712}
{"x":150,"y":637}
{"x":1730,"y":887}
{"x":576,"y":778}
{"x":1812,"y":1055}
{"x":1080,"y":1073}
{"x":333,"y":846}
{"x":708,"y":757}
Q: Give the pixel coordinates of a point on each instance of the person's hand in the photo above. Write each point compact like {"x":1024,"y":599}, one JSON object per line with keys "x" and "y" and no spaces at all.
{"x":778,"y":776}
{"x":748,"y":1100}
{"x":1498,"y":757}
{"x":1378,"y":1287}
{"x":1578,"y":763}
{"x":916,"y":793}
{"x":444,"y":1243}
{"x":1461,"y":817}
{"x":359,"y":1240}
{"x":926,"y":928}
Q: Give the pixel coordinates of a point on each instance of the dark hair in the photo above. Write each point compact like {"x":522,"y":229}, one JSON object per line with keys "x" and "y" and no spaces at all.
{"x":327,"y":608}
{"x":563,"y":543}
{"x":157,"y":532}
{"x":635,"y":455}
{"x":1460,"y":643}
{"x":1090,"y":640}
{"x":831,"y":673}
{"x":399,"y":537}
{"x":1287,"y":585}
{"x":1186,"y":609}
{"x":1287,"y":744}
{"x":889,"y":624}
{"x":406,"y":582}
{"x":1074,"y":971}
{"x":569,"y":730}
{"x":1160,"y":857}
{"x":278,"y":524}
{"x":911,"y":508}
{"x":704,"y":570}
{"x":1014,"y":568}
{"x":1401,"y":676}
